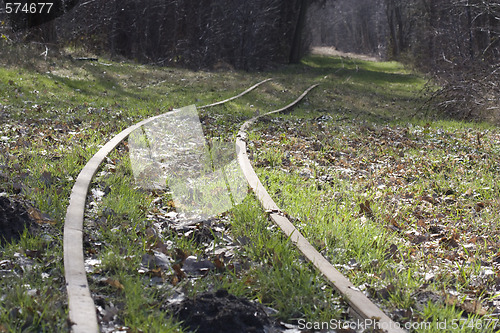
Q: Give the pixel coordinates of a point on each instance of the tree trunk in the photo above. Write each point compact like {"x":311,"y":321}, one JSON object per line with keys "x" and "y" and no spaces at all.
{"x":297,"y":46}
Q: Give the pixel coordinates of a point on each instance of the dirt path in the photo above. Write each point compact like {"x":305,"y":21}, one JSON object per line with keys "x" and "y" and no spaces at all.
{"x":332,"y":51}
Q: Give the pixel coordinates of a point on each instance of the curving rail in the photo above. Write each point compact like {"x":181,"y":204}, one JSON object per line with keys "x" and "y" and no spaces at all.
{"x":82,"y":310}
{"x":362,"y":306}
{"x":237,"y":96}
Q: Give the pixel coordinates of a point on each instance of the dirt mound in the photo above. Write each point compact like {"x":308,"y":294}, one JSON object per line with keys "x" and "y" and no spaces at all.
{"x":14,"y":218}
{"x":221,"y":312}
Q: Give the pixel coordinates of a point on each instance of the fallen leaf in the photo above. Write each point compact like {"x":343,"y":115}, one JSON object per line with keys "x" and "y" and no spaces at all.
{"x":392,"y":252}
{"x":451,"y":300}
{"x":429,"y":199}
{"x":474,"y":307}
{"x":179,"y":273}
{"x":365,"y":208}
{"x":47,"y":178}
{"x":33,"y":254}
{"x":155,"y":272}
{"x":421,"y":223}
{"x":180,"y":255}
{"x":197,"y":267}
{"x":40,"y":218}
{"x":450,"y":241}
{"x":174,"y":280}
{"x":479,"y":206}
{"x":115,"y":283}
{"x":219,"y":263}
{"x":385,"y":293}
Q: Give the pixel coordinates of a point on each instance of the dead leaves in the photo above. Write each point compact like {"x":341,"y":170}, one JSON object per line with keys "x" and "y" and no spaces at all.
{"x":432,"y":187}
{"x":197,"y":266}
{"x":429,"y":199}
{"x":365,"y":209}
{"x":114,"y":283}
{"x":470,"y":306}
{"x":40,"y":217}
{"x":451,"y":241}
{"x":392,"y":253}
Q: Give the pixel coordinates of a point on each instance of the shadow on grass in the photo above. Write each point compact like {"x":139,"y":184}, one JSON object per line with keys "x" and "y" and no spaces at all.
{"x":365,"y":71}
{"x":389,"y":82}
{"x":99,"y":84}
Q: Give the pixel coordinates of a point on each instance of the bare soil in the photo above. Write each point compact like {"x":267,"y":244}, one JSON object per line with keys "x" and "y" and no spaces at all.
{"x":221,"y":312}
{"x":14,"y":219}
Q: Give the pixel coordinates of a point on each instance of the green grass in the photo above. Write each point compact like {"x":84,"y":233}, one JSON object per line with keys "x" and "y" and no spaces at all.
{"x":55,"y":115}
{"x":275,"y":275}
{"x":33,"y":294}
{"x":335,"y":168}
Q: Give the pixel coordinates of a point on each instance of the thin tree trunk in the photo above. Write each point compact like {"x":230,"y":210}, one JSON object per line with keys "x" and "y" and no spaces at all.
{"x":296,"y":51}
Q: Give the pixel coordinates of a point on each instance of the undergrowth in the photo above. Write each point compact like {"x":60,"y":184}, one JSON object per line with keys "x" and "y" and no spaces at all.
{"x":354,"y":165}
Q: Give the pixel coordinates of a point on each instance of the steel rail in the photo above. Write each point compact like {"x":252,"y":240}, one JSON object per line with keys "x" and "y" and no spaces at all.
{"x":362,"y":306}
{"x":82,"y":310}
{"x":237,"y":96}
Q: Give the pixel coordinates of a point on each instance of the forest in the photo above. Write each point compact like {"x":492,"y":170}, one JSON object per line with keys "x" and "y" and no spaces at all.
{"x":456,"y":40}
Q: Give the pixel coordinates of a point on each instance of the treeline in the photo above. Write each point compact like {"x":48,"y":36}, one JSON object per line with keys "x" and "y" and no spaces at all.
{"x":459,"y":41}
{"x":243,"y":34}
{"x":456,"y":40}
{"x":438,"y":32}
{"x":358,"y":26}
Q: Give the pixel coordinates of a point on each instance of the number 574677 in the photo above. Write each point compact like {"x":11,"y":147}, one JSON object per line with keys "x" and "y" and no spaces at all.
{"x":28,"y":8}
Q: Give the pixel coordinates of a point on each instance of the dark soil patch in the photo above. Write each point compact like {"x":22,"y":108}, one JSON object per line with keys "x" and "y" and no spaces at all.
{"x":221,"y":312}
{"x":14,"y":219}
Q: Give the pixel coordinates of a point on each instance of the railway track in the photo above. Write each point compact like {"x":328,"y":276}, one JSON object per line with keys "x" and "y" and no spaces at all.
{"x":363,"y":308}
{"x":82,"y":310}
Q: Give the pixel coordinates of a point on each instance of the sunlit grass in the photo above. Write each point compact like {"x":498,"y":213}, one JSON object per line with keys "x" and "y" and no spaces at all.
{"x":56,"y":115}
{"x":442,"y":168}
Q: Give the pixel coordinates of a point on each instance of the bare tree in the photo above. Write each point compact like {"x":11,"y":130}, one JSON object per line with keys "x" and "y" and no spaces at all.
{"x":246,"y":34}
{"x":36,"y":18}
{"x":459,"y":41}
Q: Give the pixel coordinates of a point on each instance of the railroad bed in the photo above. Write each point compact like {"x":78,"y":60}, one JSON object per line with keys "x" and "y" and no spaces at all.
{"x":82,"y":310}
